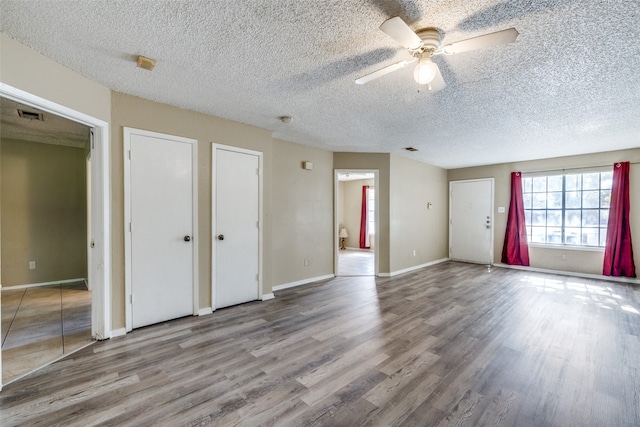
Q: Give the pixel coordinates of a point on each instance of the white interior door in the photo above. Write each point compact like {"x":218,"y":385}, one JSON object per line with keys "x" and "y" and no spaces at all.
{"x":471,"y":221}
{"x":236,"y":226}
{"x":161,"y":229}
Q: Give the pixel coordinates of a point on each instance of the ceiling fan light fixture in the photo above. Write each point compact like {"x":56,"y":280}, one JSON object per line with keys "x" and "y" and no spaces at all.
{"x":425,"y":71}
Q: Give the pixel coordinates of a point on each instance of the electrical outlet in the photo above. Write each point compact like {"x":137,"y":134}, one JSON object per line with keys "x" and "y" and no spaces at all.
{"x":414,"y":252}
{"x":307,"y":262}
{"x":563,"y":257}
{"x":32,"y":265}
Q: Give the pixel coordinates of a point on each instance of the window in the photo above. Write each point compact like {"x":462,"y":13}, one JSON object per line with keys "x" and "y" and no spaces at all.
{"x":570,"y":209}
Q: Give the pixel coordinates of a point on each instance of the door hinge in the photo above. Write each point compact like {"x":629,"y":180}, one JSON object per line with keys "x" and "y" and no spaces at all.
{"x":130,"y":228}
{"x":92,"y":140}
{"x":258,"y":277}
{"x":451,"y":221}
{"x":131,"y":298}
{"x":258,"y":171}
{"x":258,"y":224}
{"x":129,"y":154}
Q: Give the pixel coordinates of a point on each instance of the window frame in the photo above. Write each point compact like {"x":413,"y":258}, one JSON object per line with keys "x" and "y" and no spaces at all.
{"x":565,"y":210}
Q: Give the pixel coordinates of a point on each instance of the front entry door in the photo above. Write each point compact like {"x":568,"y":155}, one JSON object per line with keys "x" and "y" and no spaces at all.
{"x":236,"y":207}
{"x":161,"y":226}
{"x":471,"y":221}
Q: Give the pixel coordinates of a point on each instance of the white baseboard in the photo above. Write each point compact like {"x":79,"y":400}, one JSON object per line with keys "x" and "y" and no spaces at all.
{"x":118,"y":332}
{"x":205,"y":311}
{"x":415,"y":267}
{"x":359,"y":249}
{"x":570,"y":273}
{"x":55,"y":282}
{"x":268,"y":296}
{"x":302,"y":282}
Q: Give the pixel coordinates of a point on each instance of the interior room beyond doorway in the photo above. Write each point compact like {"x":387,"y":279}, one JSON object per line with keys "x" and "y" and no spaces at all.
{"x":356,"y":220}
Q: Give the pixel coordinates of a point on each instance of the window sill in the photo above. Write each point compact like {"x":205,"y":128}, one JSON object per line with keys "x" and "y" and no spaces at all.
{"x":567,"y":247}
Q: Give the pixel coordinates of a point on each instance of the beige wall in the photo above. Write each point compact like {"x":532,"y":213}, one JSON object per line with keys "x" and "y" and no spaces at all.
{"x":412,"y":226}
{"x":44,"y":211}
{"x":380,"y":162}
{"x":352,"y":204}
{"x":26,"y":69}
{"x":581,"y":261}
{"x":130,"y":111}
{"x":302,"y":213}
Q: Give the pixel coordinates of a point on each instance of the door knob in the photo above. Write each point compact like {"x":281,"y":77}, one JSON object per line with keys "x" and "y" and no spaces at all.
{"x":220,"y":236}
{"x":187,"y":238}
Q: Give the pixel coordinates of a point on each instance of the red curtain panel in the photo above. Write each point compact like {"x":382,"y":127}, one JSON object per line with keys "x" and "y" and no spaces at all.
{"x":364,"y":219}
{"x":515,"y":250}
{"x":618,"y":252}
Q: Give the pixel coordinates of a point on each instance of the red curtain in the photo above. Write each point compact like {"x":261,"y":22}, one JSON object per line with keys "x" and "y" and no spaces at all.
{"x":515,"y":250}
{"x":618,"y":252}
{"x":364,"y":219}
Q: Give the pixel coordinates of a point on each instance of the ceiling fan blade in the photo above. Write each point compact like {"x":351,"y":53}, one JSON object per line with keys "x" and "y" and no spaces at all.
{"x":382,"y":72}
{"x":437,"y":84}
{"x":487,"y":40}
{"x":398,"y":30}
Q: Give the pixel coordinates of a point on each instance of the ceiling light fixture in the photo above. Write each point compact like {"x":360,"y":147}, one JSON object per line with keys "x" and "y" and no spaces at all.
{"x":145,"y":63}
{"x":425,"y":71}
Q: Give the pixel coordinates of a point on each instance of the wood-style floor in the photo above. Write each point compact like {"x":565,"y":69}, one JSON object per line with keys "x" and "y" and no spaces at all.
{"x":41,"y":324}
{"x":356,"y":263}
{"x":452,"y":344}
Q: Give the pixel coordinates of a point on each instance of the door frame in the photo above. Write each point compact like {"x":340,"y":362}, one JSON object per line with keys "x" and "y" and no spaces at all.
{"x":214,"y":148}
{"x":127,"y":133}
{"x":492,"y":215}
{"x":336,"y":225}
{"x":100,"y":274}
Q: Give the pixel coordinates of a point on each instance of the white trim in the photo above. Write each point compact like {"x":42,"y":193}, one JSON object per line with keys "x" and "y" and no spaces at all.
{"x":303,"y":282}
{"x":205,"y":311}
{"x":567,"y":247}
{"x":359,"y":249}
{"x":127,"y":133}
{"x":214,"y":148}
{"x":268,"y":296}
{"x":54,"y":282}
{"x":571,"y":273}
{"x":101,"y":169}
{"x":415,"y":267}
{"x":118,"y":332}
{"x":336,"y":225}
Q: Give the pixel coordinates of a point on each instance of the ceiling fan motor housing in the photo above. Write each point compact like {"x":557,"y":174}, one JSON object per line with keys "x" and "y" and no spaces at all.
{"x":430,"y":38}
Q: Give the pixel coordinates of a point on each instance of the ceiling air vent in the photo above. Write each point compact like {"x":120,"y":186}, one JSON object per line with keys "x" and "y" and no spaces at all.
{"x":31,"y":115}
{"x":411,"y":149}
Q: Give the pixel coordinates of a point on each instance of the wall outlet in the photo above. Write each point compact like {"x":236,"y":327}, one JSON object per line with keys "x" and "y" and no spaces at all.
{"x":414,"y":252}
{"x":307,"y":262}
{"x":32,"y":265}
{"x":500,"y":209}
{"x":563,"y":257}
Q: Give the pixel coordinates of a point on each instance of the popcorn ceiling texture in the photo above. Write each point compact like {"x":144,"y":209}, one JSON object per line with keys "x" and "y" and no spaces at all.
{"x":570,"y":84}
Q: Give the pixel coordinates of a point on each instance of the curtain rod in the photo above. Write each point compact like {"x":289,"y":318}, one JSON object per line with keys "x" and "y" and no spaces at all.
{"x":577,"y":168}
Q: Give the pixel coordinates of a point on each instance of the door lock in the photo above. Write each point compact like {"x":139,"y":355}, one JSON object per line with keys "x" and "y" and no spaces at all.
{"x":220,"y":236}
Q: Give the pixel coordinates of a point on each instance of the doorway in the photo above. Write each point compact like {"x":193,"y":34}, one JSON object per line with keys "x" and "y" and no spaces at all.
{"x":471,"y":221}
{"x":356,"y":220}
{"x":160,"y":227}
{"x":236,"y":244}
{"x":97,"y":306}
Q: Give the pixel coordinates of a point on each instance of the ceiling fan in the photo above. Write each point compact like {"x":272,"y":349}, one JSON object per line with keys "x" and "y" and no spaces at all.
{"x":424,"y":44}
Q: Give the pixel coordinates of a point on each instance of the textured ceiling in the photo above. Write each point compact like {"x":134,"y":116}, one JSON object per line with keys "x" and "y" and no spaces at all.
{"x":51,"y":129}
{"x":569,"y":84}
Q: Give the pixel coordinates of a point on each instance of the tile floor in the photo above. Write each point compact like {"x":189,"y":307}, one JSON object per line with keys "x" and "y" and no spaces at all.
{"x":356,"y":263}
{"x":41,"y":324}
